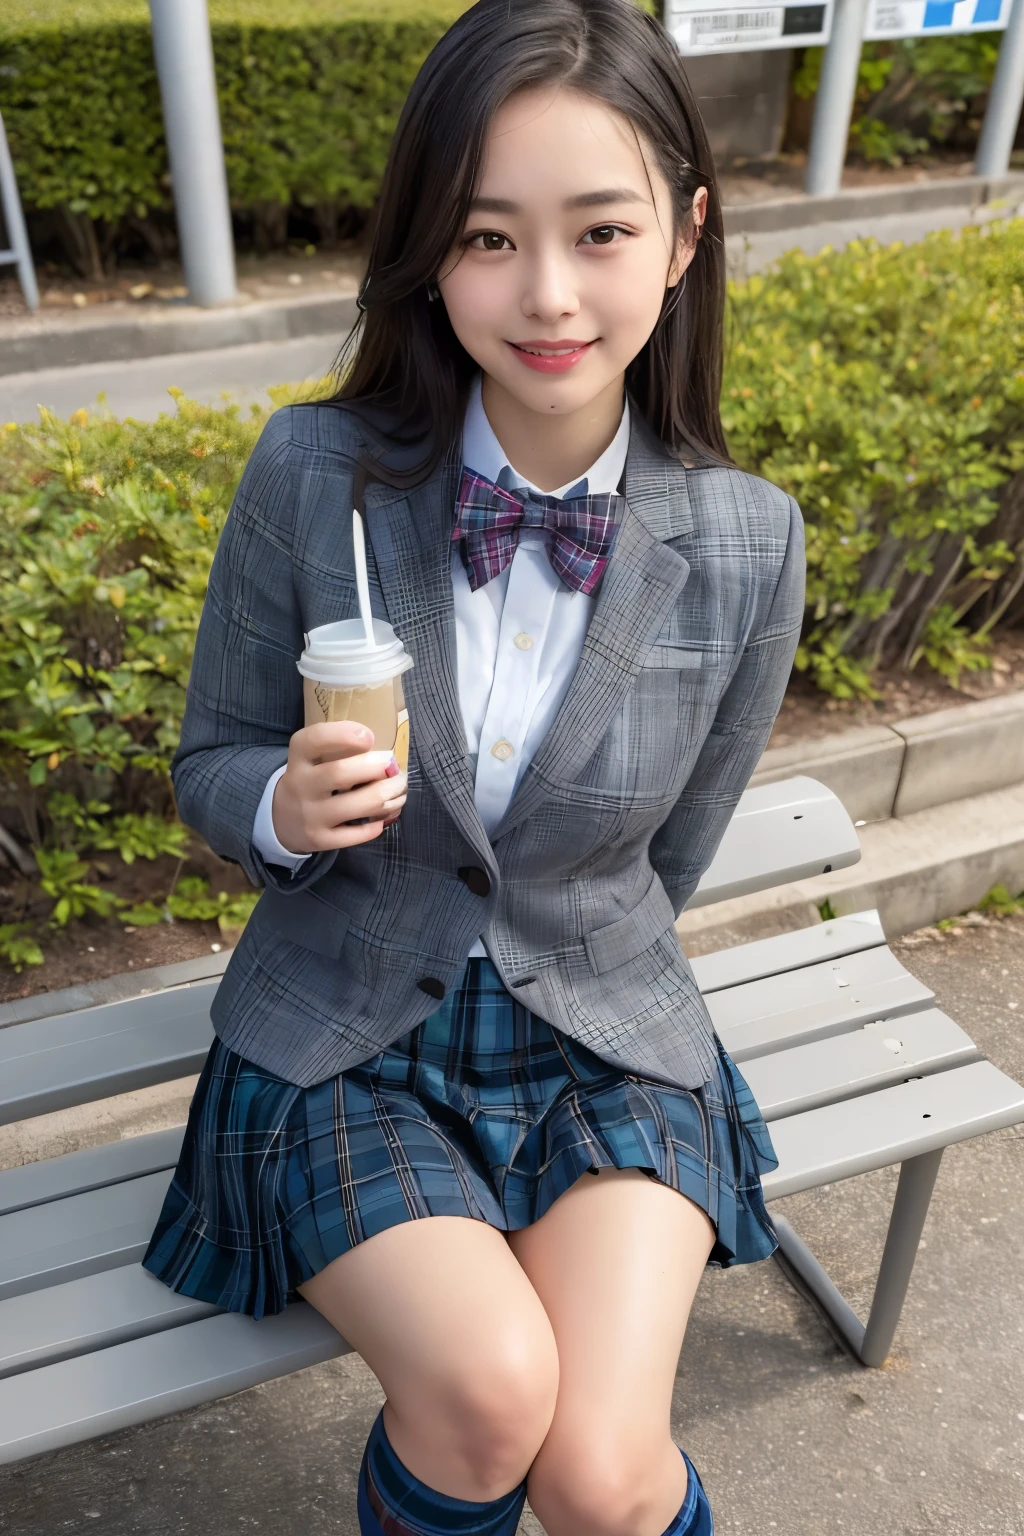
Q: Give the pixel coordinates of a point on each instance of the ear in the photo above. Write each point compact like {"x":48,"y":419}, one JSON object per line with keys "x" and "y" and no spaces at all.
{"x":686,"y":246}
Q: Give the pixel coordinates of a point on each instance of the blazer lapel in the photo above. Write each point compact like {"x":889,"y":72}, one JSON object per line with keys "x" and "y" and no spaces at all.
{"x":409,"y":534}
{"x":642,"y":582}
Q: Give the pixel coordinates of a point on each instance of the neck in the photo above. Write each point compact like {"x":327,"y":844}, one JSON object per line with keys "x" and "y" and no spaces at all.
{"x":553,"y":450}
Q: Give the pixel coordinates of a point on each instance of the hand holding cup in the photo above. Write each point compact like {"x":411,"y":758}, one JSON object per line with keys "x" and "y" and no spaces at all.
{"x":336,"y":791}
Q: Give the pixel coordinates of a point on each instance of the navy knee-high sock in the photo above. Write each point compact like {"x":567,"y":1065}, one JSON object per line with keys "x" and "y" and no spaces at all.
{"x":391,"y":1502}
{"x":694,"y":1518}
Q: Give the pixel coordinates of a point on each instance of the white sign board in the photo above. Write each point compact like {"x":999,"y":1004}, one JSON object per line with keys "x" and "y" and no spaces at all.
{"x":736,"y":28}
{"x":934,"y":18}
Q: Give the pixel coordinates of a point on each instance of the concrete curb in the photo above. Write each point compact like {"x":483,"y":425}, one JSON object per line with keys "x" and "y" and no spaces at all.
{"x":113,"y":989}
{"x":915,"y":870}
{"x":880,"y":771}
{"x":759,"y":233}
{"x":967,"y":193}
{"x":129,"y":335}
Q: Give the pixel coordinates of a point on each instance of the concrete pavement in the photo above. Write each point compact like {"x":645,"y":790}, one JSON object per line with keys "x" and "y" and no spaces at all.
{"x":138,"y":387}
{"x":790,"y":1436}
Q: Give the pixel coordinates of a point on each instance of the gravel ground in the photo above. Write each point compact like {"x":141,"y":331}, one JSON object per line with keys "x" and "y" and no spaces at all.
{"x":789,"y":1434}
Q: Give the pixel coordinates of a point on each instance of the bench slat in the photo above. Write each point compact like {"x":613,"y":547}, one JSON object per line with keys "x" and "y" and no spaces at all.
{"x":90,"y":1313}
{"x":827,"y":999}
{"x":863,"y":1061}
{"x":883,"y":1128}
{"x":787,"y":951}
{"x":81,"y":1235}
{"x":76,"y":1058}
{"x":75,"y":1172}
{"x":779,"y":832}
{"x":145,"y":1379}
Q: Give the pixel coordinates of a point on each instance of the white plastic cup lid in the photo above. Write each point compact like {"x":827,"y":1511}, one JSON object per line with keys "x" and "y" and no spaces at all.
{"x":338,"y":655}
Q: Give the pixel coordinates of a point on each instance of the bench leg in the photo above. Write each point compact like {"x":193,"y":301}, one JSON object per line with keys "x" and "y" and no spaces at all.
{"x":870,"y":1344}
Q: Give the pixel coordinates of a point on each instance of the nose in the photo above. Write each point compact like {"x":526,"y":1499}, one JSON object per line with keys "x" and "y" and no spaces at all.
{"x":550,"y":292}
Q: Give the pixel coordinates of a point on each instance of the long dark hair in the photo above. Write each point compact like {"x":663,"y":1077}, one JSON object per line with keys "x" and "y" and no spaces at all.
{"x":403,"y":359}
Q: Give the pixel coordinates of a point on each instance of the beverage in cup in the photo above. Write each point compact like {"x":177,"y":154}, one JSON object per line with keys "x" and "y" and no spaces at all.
{"x":344,"y":677}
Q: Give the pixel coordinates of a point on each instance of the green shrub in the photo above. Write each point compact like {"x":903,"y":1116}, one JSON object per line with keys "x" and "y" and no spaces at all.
{"x":308,"y":101}
{"x":885,"y":389}
{"x":309,"y":97}
{"x":106,"y":538}
{"x":914,"y":96}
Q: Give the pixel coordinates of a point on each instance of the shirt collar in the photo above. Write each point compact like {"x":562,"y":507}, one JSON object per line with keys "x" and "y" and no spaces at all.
{"x":482,"y":453}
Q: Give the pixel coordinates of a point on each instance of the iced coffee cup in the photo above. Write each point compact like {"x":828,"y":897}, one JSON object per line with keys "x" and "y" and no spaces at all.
{"x":346,"y":678}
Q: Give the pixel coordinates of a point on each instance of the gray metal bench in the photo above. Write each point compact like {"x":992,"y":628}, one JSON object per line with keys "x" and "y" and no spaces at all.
{"x":853,"y":1066}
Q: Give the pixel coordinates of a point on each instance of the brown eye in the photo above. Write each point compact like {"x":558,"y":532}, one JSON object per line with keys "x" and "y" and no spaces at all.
{"x":492,"y":241}
{"x":603,"y":235}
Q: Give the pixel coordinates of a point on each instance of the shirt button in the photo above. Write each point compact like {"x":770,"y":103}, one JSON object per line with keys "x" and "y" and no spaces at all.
{"x":503,"y":750}
{"x":524,"y":642}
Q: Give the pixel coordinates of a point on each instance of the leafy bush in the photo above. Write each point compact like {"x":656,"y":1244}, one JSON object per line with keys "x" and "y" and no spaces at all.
{"x":915,"y":95}
{"x":106,"y":540}
{"x":309,"y":97}
{"x":885,"y":389}
{"x":310,"y":94}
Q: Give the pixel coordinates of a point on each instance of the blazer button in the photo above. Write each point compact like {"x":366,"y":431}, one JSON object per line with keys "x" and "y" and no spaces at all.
{"x":475,"y":879}
{"x":431,"y":986}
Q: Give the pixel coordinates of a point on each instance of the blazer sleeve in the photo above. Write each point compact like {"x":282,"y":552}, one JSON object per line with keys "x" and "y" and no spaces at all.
{"x":685,"y":844}
{"x":244,"y":698}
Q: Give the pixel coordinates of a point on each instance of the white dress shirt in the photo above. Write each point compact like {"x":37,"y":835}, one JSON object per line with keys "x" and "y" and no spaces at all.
{"x":518,"y":640}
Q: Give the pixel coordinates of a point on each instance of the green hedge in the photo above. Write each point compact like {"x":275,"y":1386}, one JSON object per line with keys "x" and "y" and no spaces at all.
{"x":885,"y":389}
{"x":309,"y":97}
{"x":308,"y":101}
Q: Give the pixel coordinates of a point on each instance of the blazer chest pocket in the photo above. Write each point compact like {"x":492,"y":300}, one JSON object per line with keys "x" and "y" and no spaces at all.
{"x":680,"y":656}
{"x":675,"y":649}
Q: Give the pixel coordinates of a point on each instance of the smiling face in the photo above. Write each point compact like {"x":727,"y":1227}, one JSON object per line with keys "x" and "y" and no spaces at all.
{"x":561,"y":272}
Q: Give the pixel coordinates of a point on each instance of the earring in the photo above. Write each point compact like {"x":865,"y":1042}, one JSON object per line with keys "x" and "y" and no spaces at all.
{"x":433,"y":292}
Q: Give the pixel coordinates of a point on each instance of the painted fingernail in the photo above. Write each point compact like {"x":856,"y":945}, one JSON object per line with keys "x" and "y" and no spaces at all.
{"x":392,"y":768}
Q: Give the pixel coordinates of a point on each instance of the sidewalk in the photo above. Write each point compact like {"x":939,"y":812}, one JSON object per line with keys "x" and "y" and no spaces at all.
{"x":789,"y":1435}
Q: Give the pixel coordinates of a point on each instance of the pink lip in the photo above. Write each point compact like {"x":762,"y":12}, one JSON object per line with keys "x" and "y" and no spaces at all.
{"x":552,"y":364}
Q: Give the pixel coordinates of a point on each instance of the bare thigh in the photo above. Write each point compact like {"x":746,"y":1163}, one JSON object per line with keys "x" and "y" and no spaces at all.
{"x":441,"y":1311}
{"x":616,"y":1262}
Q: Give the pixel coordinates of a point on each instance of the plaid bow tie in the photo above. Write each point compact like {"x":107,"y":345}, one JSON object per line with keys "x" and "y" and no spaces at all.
{"x":488,"y":521}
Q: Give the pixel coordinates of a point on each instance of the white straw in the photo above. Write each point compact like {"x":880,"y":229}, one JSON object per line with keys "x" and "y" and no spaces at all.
{"x":362,"y":581}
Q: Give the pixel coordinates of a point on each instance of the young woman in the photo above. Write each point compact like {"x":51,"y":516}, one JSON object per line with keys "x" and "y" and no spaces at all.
{"x":440,"y":1018}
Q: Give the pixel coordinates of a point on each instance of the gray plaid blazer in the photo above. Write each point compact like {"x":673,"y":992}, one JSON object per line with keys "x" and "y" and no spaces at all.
{"x":682,"y":673}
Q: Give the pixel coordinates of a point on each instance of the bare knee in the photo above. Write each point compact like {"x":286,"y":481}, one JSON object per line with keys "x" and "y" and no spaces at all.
{"x":580,"y":1493}
{"x":478,"y":1431}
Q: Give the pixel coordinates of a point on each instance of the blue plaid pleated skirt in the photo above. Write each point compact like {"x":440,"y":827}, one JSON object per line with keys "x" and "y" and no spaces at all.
{"x":484,"y":1111}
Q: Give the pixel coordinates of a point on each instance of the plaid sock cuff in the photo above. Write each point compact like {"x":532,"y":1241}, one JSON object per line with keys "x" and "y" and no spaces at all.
{"x":394,"y":1503}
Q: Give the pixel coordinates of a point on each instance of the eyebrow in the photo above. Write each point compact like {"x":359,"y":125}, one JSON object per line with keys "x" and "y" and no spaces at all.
{"x":582,"y":200}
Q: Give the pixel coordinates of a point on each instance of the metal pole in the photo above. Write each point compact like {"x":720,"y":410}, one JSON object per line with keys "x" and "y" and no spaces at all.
{"x":1005,"y":100}
{"x":20,"y":252}
{"x":188,"y":89}
{"x":833,"y":106}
